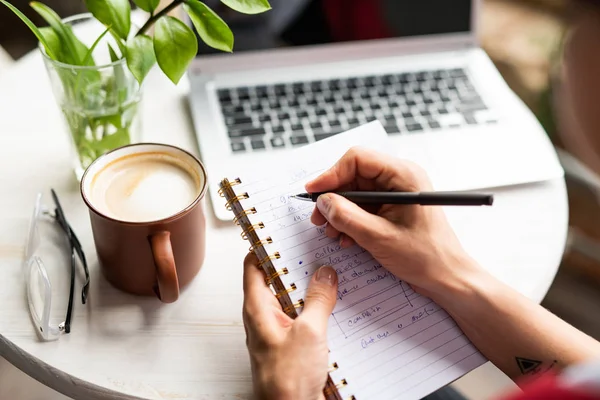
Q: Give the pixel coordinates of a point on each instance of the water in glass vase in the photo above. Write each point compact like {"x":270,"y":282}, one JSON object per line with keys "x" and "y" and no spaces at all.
{"x":100,"y":102}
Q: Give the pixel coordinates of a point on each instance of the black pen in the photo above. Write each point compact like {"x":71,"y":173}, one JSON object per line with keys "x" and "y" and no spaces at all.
{"x":417,"y":198}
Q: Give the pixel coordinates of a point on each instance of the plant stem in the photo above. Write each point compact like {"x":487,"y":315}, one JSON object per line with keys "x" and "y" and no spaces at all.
{"x":155,"y":17}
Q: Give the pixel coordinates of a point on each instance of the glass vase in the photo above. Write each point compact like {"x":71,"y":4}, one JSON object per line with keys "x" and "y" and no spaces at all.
{"x":100,"y":103}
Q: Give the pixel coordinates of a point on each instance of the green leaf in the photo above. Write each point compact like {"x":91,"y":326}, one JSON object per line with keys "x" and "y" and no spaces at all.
{"x":113,"y":55}
{"x":147,"y":5}
{"x":114,"y":13}
{"x":211,"y":28}
{"x":140,"y":56}
{"x":112,"y":141}
{"x":248,"y":6}
{"x":74,"y":50}
{"x":49,"y":47}
{"x":88,"y":56}
{"x":175,"y":46}
{"x":122,"y":47}
{"x":52,"y":41}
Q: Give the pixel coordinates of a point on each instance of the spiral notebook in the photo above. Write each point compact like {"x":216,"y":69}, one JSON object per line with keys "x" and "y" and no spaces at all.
{"x":385,"y":340}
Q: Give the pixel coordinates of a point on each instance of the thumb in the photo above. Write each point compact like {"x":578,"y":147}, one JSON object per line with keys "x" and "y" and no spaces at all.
{"x":320,"y":298}
{"x":347,"y":217}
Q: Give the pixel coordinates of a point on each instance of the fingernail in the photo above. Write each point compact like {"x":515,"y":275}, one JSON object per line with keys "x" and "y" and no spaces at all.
{"x":323,"y":204}
{"x":326,"y":275}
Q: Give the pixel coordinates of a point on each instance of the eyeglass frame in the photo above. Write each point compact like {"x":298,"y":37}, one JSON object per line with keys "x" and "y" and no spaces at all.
{"x":75,"y":249}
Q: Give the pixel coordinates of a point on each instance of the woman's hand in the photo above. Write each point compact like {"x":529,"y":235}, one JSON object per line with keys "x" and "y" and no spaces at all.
{"x":289,"y":357}
{"x":415,"y":243}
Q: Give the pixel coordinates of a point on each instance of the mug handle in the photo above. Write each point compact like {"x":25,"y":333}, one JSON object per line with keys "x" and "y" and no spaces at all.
{"x":167,"y":288}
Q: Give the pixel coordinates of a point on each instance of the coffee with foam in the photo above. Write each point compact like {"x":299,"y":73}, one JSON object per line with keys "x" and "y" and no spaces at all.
{"x":144,"y":187}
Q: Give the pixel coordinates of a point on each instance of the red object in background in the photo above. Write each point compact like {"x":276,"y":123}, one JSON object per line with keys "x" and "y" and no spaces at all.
{"x":550,"y":387}
{"x":355,"y":20}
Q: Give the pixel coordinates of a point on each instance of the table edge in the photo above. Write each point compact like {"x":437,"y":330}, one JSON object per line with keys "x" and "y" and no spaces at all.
{"x":56,"y":379}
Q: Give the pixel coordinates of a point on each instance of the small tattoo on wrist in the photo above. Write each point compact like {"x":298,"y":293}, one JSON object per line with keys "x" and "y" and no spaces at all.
{"x":528,"y":366}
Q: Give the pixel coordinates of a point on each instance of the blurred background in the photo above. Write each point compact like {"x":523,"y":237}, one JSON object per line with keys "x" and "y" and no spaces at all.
{"x":524,"y":38}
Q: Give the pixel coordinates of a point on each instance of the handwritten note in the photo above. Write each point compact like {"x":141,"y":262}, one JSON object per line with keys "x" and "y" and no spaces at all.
{"x":388,"y":341}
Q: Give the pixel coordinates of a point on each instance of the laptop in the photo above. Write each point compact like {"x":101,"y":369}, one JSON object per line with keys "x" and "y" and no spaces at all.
{"x":295,"y":78}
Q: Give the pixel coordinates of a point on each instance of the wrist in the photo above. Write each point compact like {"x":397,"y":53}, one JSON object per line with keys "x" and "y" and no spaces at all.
{"x":465,"y":283}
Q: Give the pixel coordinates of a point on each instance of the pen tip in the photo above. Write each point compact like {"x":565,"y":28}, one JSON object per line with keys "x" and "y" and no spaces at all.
{"x":301,"y":196}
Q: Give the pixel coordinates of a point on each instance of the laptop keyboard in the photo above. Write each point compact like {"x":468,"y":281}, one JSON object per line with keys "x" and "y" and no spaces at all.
{"x":293,"y":114}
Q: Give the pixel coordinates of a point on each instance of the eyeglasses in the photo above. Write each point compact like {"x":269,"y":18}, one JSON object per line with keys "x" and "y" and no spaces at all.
{"x":39,"y":288}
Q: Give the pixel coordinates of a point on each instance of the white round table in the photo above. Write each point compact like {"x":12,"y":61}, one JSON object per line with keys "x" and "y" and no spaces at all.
{"x":126,"y":347}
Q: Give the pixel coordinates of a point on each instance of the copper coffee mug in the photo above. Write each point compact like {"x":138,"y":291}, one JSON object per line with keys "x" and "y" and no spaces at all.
{"x":149,"y":258}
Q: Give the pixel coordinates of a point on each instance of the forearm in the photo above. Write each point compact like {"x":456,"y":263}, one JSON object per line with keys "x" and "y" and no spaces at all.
{"x":519,"y":336}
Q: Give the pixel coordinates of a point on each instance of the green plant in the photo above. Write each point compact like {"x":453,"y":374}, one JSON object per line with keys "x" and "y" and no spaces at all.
{"x":99,"y":107}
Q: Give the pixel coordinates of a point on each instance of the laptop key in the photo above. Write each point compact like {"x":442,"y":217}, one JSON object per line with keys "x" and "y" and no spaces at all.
{"x":391,"y":128}
{"x":297,"y":140}
{"x":283,"y":116}
{"x":434,"y":125}
{"x":335,"y":124}
{"x":407,"y":114}
{"x":414,"y":127}
{"x":302,"y":114}
{"x":470,"y":119}
{"x":247,"y":132}
{"x":329,"y":98}
{"x":277,"y":142}
{"x":279,"y":90}
{"x":277,"y":130}
{"x":297,"y":127}
{"x":239,"y":120}
{"x":237,"y":109}
{"x":466,"y":108}
{"x":261,"y":90}
{"x":224,"y":96}
{"x":236,"y":147}
{"x":264,"y":118}
{"x":316,"y":125}
{"x":257,"y":144}
{"x":321,"y":136}
{"x":321,"y":111}
{"x":387,"y":79}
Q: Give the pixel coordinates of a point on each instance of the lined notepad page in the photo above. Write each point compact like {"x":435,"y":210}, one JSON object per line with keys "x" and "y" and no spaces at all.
{"x":388,"y":341}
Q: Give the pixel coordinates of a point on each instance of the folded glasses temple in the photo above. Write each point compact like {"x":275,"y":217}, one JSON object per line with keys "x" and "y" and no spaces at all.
{"x":76,"y":248}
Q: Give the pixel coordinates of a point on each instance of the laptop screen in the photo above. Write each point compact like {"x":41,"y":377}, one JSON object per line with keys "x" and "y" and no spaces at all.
{"x":310,"y":22}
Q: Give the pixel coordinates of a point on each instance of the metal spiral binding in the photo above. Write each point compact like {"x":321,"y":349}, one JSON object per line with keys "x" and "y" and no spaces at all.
{"x":262,"y":242}
{"x":249,"y":233}
{"x":250,"y":211}
{"x":338,"y":386}
{"x":236,"y":181}
{"x":287,"y":291}
{"x":273,"y":256}
{"x":242,"y":196}
{"x":252,"y":228}
{"x":276,"y":274}
{"x":298,"y":304}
